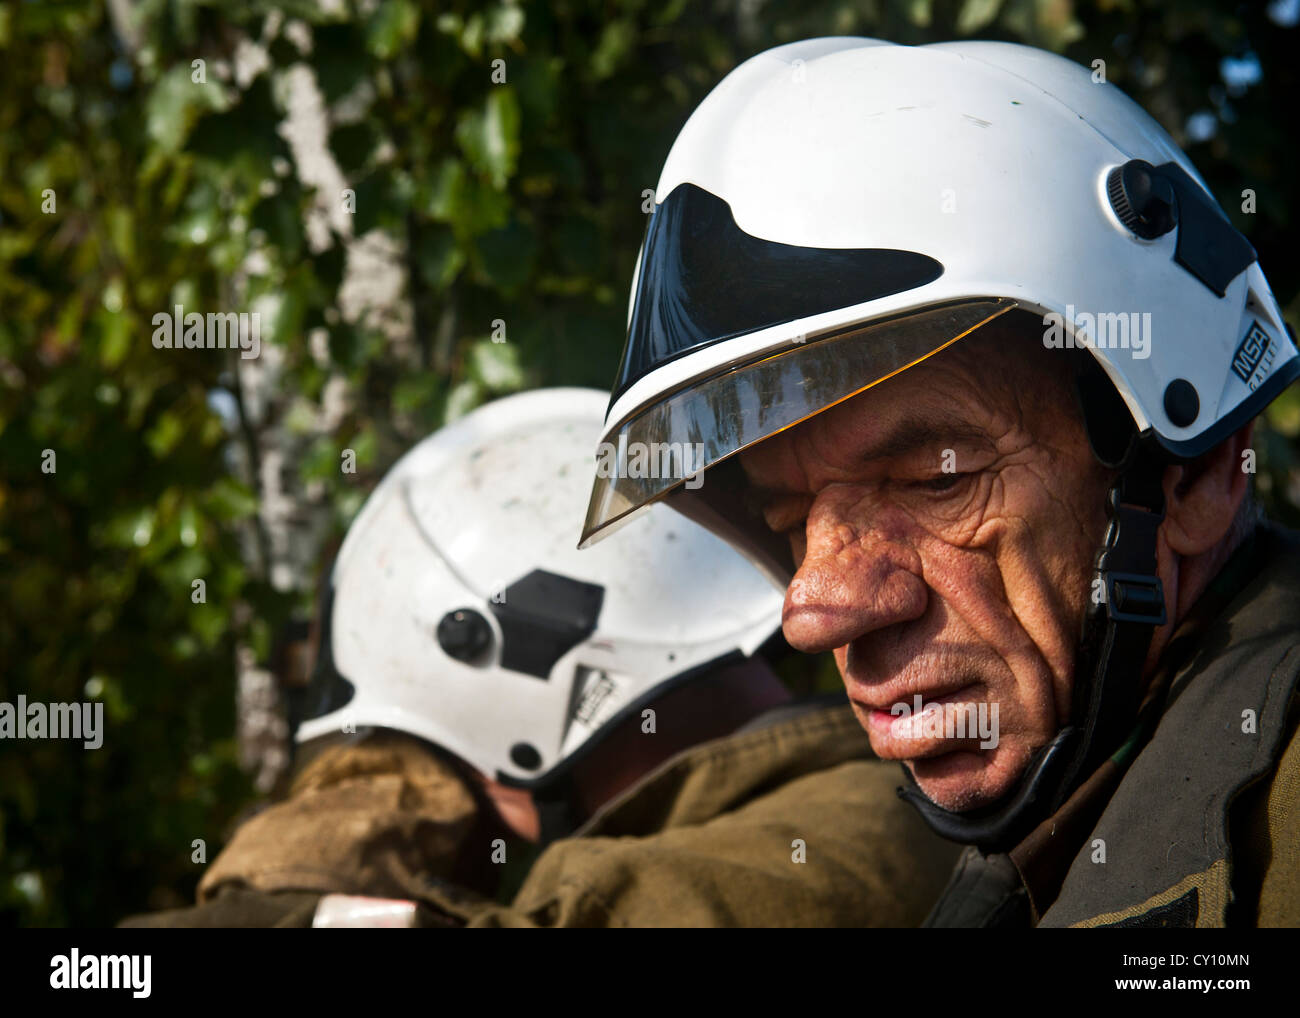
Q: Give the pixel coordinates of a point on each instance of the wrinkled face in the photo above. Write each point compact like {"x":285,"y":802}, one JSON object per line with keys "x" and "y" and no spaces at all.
{"x":944,"y":525}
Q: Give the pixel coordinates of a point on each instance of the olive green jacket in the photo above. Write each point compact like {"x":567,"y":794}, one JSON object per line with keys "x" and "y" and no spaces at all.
{"x":789,"y":822}
{"x":1202,"y":830}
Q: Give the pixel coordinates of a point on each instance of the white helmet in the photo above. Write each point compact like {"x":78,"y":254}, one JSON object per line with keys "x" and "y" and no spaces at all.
{"x":462,"y":612}
{"x":837,"y":210}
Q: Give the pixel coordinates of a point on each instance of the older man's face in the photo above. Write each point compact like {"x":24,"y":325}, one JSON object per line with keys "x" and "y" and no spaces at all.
{"x":944,"y":525}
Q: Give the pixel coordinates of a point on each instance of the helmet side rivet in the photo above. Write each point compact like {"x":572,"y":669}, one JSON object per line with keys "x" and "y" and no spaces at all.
{"x":525,"y":755}
{"x":464,"y":634}
{"x":1143,"y":199}
{"x":1181,"y":402}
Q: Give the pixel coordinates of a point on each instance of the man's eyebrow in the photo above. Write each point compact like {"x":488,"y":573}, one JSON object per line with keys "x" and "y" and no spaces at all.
{"x":911,"y":434}
{"x":914,"y":432}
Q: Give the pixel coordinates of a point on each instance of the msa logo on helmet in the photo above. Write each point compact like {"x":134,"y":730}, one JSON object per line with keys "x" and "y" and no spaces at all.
{"x":597,"y":700}
{"x":1253,"y":359}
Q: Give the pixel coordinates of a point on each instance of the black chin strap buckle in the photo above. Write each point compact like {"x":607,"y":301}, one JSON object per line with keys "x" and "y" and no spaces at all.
{"x":1127,"y":563}
{"x":1134,"y":598}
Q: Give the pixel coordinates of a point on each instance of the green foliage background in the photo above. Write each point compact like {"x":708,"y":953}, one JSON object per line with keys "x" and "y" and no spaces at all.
{"x":518,"y":201}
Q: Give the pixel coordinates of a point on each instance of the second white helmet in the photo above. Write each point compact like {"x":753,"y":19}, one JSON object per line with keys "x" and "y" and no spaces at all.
{"x":462,"y":612}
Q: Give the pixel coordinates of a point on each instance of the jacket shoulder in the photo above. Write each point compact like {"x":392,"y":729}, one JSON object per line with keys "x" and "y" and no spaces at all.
{"x":1224,"y":731}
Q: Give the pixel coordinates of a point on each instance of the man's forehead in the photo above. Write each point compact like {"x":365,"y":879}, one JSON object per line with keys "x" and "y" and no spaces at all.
{"x":862,"y":431}
{"x":865,"y":432}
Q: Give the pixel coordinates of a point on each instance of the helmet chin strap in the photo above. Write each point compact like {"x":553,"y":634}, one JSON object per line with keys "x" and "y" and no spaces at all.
{"x":557,"y":814}
{"x":1128,"y":606}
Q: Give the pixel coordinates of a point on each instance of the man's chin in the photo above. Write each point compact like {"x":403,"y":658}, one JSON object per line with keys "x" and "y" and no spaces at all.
{"x":965,"y":780}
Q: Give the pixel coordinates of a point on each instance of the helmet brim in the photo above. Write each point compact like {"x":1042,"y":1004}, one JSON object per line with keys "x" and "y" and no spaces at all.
{"x":668,"y":444}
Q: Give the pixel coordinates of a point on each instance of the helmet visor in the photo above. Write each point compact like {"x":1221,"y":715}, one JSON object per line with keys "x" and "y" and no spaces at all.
{"x":667,"y":444}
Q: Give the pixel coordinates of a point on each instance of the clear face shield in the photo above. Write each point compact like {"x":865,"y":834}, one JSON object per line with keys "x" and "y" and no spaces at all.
{"x":704,"y":287}
{"x":663,"y":449}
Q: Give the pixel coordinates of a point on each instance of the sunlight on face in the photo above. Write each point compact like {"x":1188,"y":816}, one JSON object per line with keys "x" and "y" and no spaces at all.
{"x":944,"y":525}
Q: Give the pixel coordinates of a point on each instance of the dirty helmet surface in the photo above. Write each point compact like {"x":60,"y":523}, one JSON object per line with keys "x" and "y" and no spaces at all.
{"x":461,"y":611}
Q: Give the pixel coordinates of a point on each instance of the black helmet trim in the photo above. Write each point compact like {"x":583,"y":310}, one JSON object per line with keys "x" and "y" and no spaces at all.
{"x":704,"y":280}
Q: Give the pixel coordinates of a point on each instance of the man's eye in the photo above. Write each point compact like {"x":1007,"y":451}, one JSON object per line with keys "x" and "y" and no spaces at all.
{"x":942,"y":482}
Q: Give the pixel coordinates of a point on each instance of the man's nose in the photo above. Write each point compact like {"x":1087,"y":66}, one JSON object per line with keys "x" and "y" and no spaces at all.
{"x":853,"y":579}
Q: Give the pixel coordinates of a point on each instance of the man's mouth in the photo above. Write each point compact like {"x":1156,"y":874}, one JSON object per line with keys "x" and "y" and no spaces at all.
{"x":917,"y":724}
{"x":918,"y":703}
{"x":884,"y":698}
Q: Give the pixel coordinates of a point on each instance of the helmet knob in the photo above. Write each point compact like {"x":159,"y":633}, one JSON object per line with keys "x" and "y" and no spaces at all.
{"x":1143,"y":199}
{"x":464,"y":634}
{"x":1182,"y":404}
{"x":524,"y":755}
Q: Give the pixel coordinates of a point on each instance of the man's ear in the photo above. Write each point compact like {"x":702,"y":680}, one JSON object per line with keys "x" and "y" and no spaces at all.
{"x":1202,"y":497}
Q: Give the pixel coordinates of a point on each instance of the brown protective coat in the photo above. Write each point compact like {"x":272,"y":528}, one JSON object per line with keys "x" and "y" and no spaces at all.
{"x":710,"y":838}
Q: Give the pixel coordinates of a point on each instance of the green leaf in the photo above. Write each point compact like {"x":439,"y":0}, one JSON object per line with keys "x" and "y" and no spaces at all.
{"x":114,"y":338}
{"x":339,"y":58}
{"x":282,"y":312}
{"x":164,"y":435}
{"x":616,"y":42}
{"x":133,"y":528}
{"x":366,"y":444}
{"x":243,"y":142}
{"x":175,"y":105}
{"x":977,"y":14}
{"x":345,"y":345}
{"x":463,"y":398}
{"x":392,"y":28}
{"x":417,"y":391}
{"x":353,"y":145}
{"x":496,"y":366}
{"x":490,"y":137}
{"x":920,"y":12}
{"x":384,"y":198}
{"x":503,"y":24}
{"x":443,"y":190}
{"x":280,"y":218}
{"x":228,"y":500}
{"x":507,"y":255}
{"x":438,"y":257}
